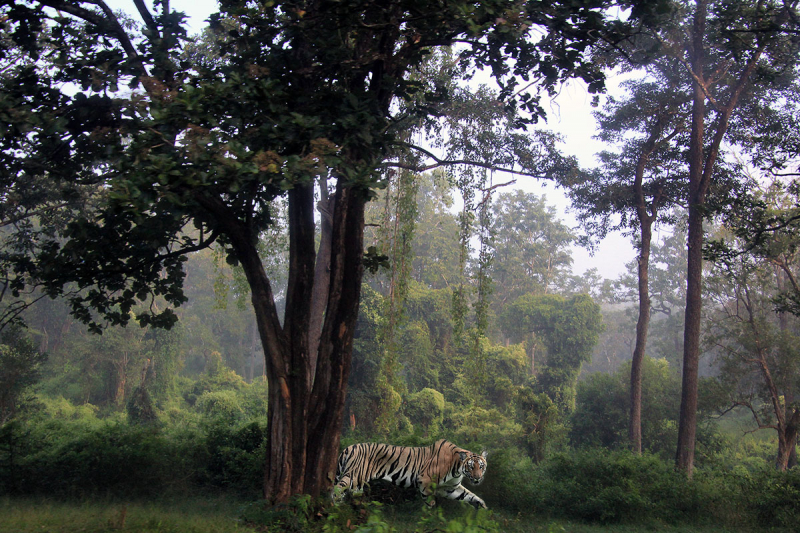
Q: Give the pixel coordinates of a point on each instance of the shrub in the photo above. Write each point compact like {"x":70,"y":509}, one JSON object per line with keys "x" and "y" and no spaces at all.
{"x":234,"y":457}
{"x":592,"y":486}
{"x":220,"y":404}
{"x":425,"y":409}
{"x":84,"y":457}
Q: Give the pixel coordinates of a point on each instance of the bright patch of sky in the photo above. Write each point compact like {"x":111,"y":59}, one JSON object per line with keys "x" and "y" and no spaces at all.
{"x":568,"y":114}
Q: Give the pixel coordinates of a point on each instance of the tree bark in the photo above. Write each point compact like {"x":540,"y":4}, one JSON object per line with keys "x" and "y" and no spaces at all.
{"x":305,"y":414}
{"x":787,"y":443}
{"x":687,"y":424}
{"x":701,"y":167}
{"x":642,"y":325}
{"x":646,"y":220}
{"x":336,"y":341}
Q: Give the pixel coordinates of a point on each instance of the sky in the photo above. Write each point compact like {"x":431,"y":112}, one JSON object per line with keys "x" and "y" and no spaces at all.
{"x":568,"y":114}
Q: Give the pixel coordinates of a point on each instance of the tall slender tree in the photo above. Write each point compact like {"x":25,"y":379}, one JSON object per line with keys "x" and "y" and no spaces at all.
{"x":736,"y":57}
{"x":636,"y":188}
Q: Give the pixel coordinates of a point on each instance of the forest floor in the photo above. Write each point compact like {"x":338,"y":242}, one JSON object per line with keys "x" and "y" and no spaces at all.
{"x":221,"y":515}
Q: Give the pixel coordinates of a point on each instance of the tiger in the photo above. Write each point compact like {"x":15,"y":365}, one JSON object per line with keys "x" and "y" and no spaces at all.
{"x":435,"y":470}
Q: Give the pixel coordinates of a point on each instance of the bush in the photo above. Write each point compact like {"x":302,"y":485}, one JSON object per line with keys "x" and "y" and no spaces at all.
{"x":234,"y":457}
{"x":425,"y":409}
{"x":591,"y":486}
{"x":76,"y":458}
{"x":220,"y":404}
{"x":86,"y":456}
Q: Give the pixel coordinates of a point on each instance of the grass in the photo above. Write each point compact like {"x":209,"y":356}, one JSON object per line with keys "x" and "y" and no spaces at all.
{"x":220,"y":515}
{"x":211,"y":515}
{"x":404,"y":518}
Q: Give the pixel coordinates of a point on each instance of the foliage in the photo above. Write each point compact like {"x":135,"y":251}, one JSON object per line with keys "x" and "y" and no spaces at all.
{"x":20,"y":367}
{"x":530,"y":247}
{"x":601,"y":415}
{"x":755,"y":345}
{"x":567,"y":328}
{"x":425,"y":409}
{"x":84,"y":456}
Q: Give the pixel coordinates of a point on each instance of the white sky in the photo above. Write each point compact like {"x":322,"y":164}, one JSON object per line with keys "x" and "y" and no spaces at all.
{"x":569,"y":114}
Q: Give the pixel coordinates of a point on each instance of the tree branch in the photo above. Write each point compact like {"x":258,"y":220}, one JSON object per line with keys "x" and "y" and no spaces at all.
{"x":438,"y":162}
{"x":108,"y":23}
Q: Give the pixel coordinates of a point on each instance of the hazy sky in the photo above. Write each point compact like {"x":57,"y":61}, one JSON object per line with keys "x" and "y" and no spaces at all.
{"x":569,"y":114}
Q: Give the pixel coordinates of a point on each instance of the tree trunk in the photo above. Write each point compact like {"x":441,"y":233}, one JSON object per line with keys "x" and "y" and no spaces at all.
{"x":687,"y":424}
{"x":787,"y":442}
{"x":306,"y":403}
{"x":701,"y":168}
{"x":646,"y":220}
{"x":642,"y":324}
{"x":336,"y":341}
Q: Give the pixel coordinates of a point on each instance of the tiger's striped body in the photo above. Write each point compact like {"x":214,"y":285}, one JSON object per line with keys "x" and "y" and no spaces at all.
{"x":442,"y":465}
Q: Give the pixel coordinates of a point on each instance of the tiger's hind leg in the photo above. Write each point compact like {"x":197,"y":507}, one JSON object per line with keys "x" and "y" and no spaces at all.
{"x":459,"y":492}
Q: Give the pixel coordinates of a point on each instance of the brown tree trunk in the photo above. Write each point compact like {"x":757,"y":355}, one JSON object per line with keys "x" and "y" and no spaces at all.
{"x":306,"y":404}
{"x":646,"y":220}
{"x":787,"y":442}
{"x":701,"y":168}
{"x":336,"y":344}
{"x":687,"y":424}
{"x":642,"y":324}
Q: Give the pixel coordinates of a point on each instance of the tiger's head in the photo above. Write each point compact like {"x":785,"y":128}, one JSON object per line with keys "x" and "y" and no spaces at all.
{"x":473,"y":466}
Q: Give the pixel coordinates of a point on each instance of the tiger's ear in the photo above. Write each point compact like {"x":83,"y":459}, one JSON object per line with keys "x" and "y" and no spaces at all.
{"x":484,"y":454}
{"x":463,"y":455}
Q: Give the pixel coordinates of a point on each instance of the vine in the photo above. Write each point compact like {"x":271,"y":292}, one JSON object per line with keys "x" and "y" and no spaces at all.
{"x":479,"y":281}
{"x":397,"y":233}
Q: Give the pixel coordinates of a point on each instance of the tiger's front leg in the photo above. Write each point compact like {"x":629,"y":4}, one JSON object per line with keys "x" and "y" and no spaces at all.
{"x":427,"y":493}
{"x":459,"y":492}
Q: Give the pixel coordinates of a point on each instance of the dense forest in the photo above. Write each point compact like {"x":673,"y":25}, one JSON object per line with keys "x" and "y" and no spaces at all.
{"x":225,"y":257}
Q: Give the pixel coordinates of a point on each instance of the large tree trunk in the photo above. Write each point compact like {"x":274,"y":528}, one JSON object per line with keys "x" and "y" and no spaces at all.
{"x":306,"y":401}
{"x":701,"y":167}
{"x":687,"y":426}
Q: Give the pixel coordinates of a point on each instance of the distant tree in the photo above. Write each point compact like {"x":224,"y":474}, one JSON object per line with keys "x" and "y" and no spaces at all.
{"x":754,"y":324}
{"x":531,"y":247}
{"x":568,"y":329}
{"x":435,"y":245}
{"x":20,"y":367}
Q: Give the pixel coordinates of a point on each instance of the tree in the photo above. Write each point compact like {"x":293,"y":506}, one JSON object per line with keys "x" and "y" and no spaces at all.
{"x":755,"y":327}
{"x":531,"y":247}
{"x":752,"y":45}
{"x":737,"y":58}
{"x":435,"y":244}
{"x":638,"y":185}
{"x":20,"y":366}
{"x":568,"y":329}
{"x":757,"y":349}
{"x":301,"y":96}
